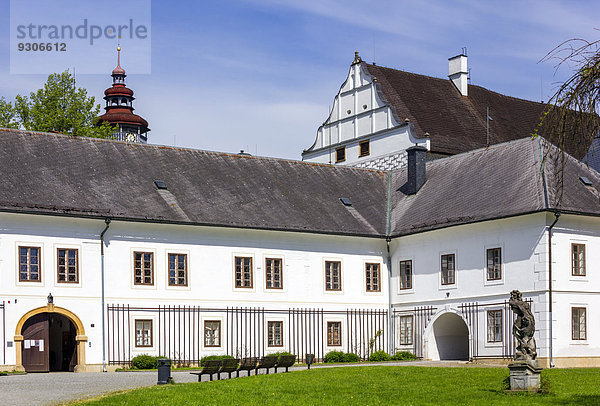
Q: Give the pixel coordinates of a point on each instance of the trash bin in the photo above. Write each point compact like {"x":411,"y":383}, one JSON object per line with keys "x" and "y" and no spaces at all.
{"x":164,"y":371}
{"x":310,"y":359}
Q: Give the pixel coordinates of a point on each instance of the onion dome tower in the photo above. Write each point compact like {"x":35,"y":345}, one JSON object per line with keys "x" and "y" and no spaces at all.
{"x":119,"y":108}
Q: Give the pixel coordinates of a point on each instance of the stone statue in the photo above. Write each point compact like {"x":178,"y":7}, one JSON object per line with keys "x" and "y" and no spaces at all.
{"x":523,"y":328}
{"x":524,"y":369}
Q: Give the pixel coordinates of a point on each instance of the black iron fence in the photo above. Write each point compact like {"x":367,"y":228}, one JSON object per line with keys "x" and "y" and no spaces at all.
{"x":178,"y":331}
{"x":475,"y":315}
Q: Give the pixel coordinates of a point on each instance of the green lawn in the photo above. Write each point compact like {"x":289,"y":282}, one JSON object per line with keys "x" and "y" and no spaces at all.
{"x":369,"y":386}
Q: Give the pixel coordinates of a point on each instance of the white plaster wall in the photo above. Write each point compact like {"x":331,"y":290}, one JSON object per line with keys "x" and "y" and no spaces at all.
{"x":357,"y":113}
{"x":521,"y":239}
{"x":211,"y":254}
{"x":576,"y":291}
{"x":381,"y":144}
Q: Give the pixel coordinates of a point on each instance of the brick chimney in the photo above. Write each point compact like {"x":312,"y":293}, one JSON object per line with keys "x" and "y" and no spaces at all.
{"x":458,"y":73}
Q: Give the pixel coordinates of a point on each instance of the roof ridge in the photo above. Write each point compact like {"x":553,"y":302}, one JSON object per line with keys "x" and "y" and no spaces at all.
{"x":446,"y":80}
{"x":189,"y":149}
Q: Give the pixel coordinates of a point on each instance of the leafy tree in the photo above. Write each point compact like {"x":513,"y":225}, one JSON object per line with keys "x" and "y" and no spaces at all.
{"x":573,"y":111}
{"x":7,"y":114}
{"x":59,"y":107}
{"x":571,"y":119}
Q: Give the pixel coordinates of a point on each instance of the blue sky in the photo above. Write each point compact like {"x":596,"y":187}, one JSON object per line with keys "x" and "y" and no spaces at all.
{"x":260,"y":75}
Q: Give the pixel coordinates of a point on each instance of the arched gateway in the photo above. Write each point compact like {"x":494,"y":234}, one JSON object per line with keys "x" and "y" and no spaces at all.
{"x":50,"y":338}
{"x":447,"y":337}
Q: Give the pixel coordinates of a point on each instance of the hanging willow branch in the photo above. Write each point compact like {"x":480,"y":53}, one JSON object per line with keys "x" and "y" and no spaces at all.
{"x":571,"y":119}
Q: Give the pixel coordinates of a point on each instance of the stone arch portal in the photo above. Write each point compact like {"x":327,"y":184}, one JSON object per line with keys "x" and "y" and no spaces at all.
{"x":447,"y":338}
{"x":80,"y":336}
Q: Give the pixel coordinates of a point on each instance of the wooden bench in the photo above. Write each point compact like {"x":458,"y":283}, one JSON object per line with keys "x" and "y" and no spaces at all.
{"x":266,"y":362}
{"x":247,"y":364}
{"x":285,"y":361}
{"x":229,"y":365}
{"x":211,"y":367}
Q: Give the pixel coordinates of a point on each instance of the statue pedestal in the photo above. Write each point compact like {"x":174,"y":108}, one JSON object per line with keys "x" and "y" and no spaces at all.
{"x":524,"y":376}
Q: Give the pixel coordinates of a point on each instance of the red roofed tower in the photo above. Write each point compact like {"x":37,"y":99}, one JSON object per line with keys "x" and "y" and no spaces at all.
{"x":119,"y":108}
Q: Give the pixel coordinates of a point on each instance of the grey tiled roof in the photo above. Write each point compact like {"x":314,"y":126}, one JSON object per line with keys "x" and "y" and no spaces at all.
{"x":56,"y":174}
{"x":82,"y":176}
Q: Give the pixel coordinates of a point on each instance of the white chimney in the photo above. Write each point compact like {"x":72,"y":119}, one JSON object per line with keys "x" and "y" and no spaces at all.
{"x":458,"y":73}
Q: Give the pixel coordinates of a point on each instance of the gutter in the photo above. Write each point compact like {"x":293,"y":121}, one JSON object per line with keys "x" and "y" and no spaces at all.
{"x":556,"y":216}
{"x":388,"y":231}
{"x":107,"y":222}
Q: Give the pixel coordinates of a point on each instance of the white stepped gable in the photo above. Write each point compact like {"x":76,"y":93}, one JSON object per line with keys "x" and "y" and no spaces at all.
{"x":360,"y":113}
{"x":357,"y":110}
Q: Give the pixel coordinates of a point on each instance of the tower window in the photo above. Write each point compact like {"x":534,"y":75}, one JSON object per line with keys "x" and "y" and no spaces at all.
{"x":364,"y":148}
{"x":340,"y":154}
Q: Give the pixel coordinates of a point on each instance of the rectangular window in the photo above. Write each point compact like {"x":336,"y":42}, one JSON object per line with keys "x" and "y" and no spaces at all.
{"x":67,"y":265}
{"x":243,"y":272}
{"x":143,"y":333}
{"x":334,"y":333}
{"x":406,"y":274}
{"x":333,"y":275}
{"x":143,"y":268}
{"x":494,"y":264}
{"x":273,"y":273}
{"x":494,"y":326}
{"x":448,"y":269}
{"x":177,"y":270}
{"x":364,"y":148}
{"x":275,"y":333}
{"x":212,"y":333}
{"x":578,"y":255}
{"x":29,"y":264}
{"x":579,"y":328}
{"x":372,"y":275}
{"x":340,"y":154}
{"x":406,"y":330}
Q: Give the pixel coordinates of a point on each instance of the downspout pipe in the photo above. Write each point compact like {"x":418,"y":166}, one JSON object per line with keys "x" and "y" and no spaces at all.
{"x":556,"y":216}
{"x":107,"y":224}
{"x":390,"y":315}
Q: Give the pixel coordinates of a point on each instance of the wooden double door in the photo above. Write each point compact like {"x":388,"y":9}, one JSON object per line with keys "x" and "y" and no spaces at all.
{"x":49,"y":343}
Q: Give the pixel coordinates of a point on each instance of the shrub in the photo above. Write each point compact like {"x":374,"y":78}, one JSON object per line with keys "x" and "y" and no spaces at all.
{"x":334,"y":356}
{"x":209,"y":357}
{"x":280,"y":353}
{"x":351,"y":357}
{"x":403,"y":356}
{"x":379,"y":356}
{"x":144,"y":361}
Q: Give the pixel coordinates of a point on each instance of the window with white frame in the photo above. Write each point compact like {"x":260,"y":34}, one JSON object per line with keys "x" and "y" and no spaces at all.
{"x":494,"y":326}
{"x":212,"y":333}
{"x":177,"y":270}
{"x":275,"y":333}
{"x":578,"y":327}
{"x":273,"y":273}
{"x":406,"y":273}
{"x":243,"y":272}
{"x":68,"y":265}
{"x":334,"y":333}
{"x":494,"y":264}
{"x":372,"y":277}
{"x":406,"y":330}
{"x":29,"y":264}
{"x":143,"y":333}
{"x":333,"y":275}
{"x":143,"y":268}
{"x":578,"y":259}
{"x":448,"y":269}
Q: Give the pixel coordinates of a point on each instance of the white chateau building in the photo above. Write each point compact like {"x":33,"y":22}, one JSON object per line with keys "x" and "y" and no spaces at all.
{"x":379,"y":112}
{"x":110,"y":249}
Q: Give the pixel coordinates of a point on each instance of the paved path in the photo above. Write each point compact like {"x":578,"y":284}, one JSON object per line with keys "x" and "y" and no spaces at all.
{"x":59,"y":387}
